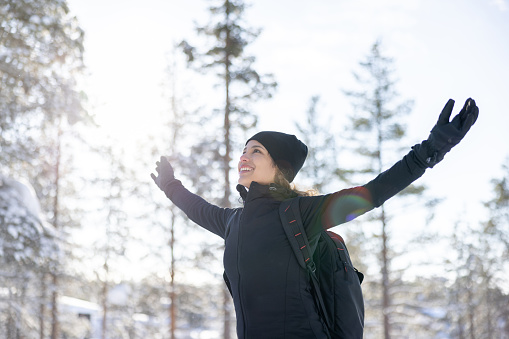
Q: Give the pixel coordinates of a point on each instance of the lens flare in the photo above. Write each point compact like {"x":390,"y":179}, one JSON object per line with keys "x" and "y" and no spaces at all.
{"x":346,"y":205}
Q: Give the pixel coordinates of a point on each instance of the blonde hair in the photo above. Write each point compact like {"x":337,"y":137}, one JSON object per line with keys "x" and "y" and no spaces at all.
{"x":290,"y":189}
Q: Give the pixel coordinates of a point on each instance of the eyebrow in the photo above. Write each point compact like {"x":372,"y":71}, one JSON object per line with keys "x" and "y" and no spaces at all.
{"x":255,"y":146}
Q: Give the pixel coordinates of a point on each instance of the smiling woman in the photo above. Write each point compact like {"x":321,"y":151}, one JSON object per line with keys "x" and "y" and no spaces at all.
{"x":271,"y":288}
{"x":286,"y":152}
{"x":285,"y":155}
{"x":256,"y":165}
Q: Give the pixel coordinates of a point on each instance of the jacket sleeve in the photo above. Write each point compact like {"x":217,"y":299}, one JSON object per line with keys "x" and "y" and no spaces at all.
{"x":203,"y":213}
{"x":326,"y":211}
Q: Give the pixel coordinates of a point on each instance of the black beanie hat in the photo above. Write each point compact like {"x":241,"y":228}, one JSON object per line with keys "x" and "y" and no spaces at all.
{"x":288,"y":152}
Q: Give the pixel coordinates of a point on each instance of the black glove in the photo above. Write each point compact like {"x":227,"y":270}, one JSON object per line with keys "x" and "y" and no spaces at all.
{"x":165,"y":173}
{"x":445,"y":135}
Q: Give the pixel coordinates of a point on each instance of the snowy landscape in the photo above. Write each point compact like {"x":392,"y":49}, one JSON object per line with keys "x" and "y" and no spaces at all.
{"x":92,"y":93}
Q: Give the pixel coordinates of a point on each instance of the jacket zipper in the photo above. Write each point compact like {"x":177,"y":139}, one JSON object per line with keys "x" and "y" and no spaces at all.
{"x":239,"y":246}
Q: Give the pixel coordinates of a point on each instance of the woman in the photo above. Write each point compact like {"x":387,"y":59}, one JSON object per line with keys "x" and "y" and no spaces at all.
{"x":271,"y":292}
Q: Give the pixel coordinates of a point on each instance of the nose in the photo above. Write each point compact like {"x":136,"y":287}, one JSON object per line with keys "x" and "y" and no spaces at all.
{"x":244,"y":157}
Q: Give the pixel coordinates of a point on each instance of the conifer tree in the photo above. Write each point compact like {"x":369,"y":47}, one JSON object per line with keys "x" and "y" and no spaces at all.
{"x":113,"y":186}
{"x":27,"y":243}
{"x":498,"y":206}
{"x":495,"y":254}
{"x":178,"y":123}
{"x":375,"y":132}
{"x":321,"y":165}
{"x":40,"y":60}
{"x":476,"y":305}
{"x":240,"y":84}
{"x":171,"y":137}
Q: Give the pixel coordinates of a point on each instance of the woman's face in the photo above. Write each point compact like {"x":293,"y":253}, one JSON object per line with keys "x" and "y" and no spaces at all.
{"x":256,"y":165}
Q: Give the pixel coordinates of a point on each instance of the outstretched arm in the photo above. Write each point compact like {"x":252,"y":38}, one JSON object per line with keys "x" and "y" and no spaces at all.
{"x":336,"y":208}
{"x":210,"y":217}
{"x":442,"y":138}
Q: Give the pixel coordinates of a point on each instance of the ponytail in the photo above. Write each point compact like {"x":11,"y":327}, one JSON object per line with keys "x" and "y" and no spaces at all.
{"x":289,"y":189}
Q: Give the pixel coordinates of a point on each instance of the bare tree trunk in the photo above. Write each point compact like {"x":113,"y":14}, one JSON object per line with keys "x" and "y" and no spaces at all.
{"x":226,"y":162}
{"x":227,"y":309}
{"x":488,"y":302}
{"x":173,"y":297}
{"x":54,"y":275}
{"x":227,"y":126}
{"x":386,"y":302}
{"x":42,"y":305}
{"x":385,"y":260}
{"x":104,"y":302}
{"x":54,"y":306}
{"x":461,"y":332}
{"x":174,"y":140}
{"x":471,"y":310}
{"x":10,"y":325}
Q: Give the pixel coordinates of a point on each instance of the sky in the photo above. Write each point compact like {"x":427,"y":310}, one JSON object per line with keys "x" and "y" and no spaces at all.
{"x":441,"y":48}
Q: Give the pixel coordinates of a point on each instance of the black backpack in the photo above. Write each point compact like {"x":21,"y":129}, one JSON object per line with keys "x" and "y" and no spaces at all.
{"x":336,"y":283}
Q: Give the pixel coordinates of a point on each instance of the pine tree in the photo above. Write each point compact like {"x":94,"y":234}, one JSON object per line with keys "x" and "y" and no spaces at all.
{"x":27,"y":244}
{"x":240,"y":84}
{"x":114,"y":184}
{"x":178,"y":124}
{"x":495,"y":252}
{"x":40,"y":60}
{"x":475,"y":302}
{"x":171,"y":137}
{"x":375,"y":131}
{"x":321,"y":165}
{"x":472,"y":311}
{"x":498,"y":207}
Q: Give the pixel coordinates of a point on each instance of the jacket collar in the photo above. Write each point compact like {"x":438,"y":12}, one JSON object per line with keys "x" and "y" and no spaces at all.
{"x":242,"y":191}
{"x":256,"y":190}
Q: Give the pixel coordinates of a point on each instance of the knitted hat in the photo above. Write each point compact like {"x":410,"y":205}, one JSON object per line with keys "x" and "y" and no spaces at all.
{"x":288,"y":152}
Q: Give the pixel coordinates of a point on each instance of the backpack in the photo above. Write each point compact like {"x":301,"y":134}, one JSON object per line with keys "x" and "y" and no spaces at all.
{"x":336,"y":283}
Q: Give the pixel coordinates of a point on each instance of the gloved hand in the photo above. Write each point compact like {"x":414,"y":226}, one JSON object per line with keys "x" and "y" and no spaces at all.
{"x":165,"y":173}
{"x":445,"y":135}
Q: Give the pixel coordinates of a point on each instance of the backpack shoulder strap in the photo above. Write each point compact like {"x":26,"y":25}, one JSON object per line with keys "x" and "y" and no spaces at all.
{"x":289,"y":213}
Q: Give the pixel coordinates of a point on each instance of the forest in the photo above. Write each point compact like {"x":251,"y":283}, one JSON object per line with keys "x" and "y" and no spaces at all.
{"x":90,"y":248}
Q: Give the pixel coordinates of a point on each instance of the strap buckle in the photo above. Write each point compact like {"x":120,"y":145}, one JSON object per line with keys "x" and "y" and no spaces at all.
{"x":311,"y":266}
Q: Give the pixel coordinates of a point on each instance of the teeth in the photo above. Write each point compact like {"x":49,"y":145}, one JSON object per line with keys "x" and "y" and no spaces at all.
{"x":245,"y":169}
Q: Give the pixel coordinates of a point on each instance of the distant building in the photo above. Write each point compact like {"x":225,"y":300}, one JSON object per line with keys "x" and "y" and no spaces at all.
{"x":81,"y":316}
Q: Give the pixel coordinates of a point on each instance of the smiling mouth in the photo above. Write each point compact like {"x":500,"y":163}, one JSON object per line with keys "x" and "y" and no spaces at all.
{"x":245,"y":169}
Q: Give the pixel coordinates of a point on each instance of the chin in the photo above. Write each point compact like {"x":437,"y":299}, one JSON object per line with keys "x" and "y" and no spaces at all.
{"x":244,"y":183}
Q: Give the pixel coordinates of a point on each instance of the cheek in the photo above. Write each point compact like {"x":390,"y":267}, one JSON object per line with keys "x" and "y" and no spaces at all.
{"x":272,"y":173}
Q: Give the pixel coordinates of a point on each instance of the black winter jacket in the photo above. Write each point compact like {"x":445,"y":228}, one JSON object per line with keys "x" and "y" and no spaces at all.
{"x":271,"y":292}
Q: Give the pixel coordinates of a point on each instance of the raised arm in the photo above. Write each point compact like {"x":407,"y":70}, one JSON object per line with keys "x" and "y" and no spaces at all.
{"x":208,"y":216}
{"x":337,"y":208}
